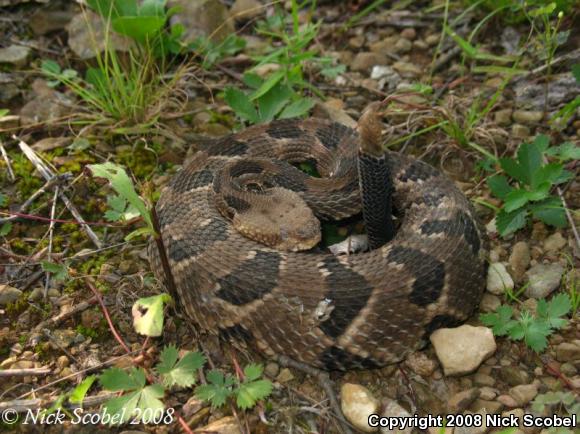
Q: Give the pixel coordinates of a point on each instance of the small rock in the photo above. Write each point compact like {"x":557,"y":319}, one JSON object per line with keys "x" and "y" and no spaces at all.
{"x":363,"y":62}
{"x":63,"y":338}
{"x":420,"y":364}
{"x":461,"y":350}
{"x":403,"y":46}
{"x":202,"y":18}
{"x":409,"y":33}
{"x":568,"y":369}
{"x":225,"y":425}
{"x":393,"y":409}
{"x":459,"y":402}
{"x":543,"y":279}
{"x":45,"y":21}
{"x":36,"y":294}
{"x":357,"y":404}
{"x":507,"y":400}
{"x":524,"y":393}
{"x":489,"y":407}
{"x":568,"y":351}
{"x":86,"y":36}
{"x":489,"y":303}
{"x":519,"y":259}
{"x":513,"y":376}
{"x":483,"y":379}
{"x":285,"y":376}
{"x":271,"y":370}
{"x":386,"y":76}
{"x":498,"y":279}
{"x":433,"y":39}
{"x":491,"y":227}
{"x":465,"y":429}
{"x":487,"y":393}
{"x":62,"y":362}
{"x":16,"y":55}
{"x":520,"y":131}
{"x":356,"y":41}
{"x":408,"y":70}
{"x":503,"y":117}
{"x":527,"y":117}
{"x":9,"y":294}
{"x":554,"y":242}
{"x":192,"y":406}
{"x":243,"y":10}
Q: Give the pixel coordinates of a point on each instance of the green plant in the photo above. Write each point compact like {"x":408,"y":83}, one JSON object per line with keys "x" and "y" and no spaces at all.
{"x":534,"y":330}
{"x":247,"y":391}
{"x":534,"y":179}
{"x":127,"y":203}
{"x":211,"y":52}
{"x":553,"y":400}
{"x":144,"y":22}
{"x":279,"y":94}
{"x":565,"y":113}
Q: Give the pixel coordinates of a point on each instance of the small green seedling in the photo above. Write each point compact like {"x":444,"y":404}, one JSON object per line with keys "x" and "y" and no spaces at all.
{"x":534,"y":330}
{"x":532,"y":181}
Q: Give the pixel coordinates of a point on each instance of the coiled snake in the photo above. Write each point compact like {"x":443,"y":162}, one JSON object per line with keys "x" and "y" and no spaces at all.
{"x":232,"y":222}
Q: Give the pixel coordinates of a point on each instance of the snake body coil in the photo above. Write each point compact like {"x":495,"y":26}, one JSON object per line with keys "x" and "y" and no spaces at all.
{"x":335,"y":312}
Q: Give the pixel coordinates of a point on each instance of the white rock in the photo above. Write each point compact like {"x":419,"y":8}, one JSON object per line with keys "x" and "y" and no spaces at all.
{"x":554,"y":242}
{"x":543,"y":279}
{"x":393,"y":409}
{"x":498,"y":279}
{"x":462,"y":349}
{"x":357,"y":405}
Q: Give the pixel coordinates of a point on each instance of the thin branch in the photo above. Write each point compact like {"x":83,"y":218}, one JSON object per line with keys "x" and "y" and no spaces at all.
{"x":50,"y":239}
{"x":23,"y":372}
{"x":8,"y":165}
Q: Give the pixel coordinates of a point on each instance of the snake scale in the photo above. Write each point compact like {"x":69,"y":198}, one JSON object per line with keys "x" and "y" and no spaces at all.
{"x":362,"y":310}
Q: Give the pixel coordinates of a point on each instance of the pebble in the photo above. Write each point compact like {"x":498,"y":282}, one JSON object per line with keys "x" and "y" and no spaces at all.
{"x":272,"y":369}
{"x":489,"y":407}
{"x":459,"y":402}
{"x":554,"y":242}
{"x":507,"y":400}
{"x":203,"y":17}
{"x":568,"y":351}
{"x":543,"y":279}
{"x":489,"y":303}
{"x":519,"y":259}
{"x":403,"y":46}
{"x":16,"y":55}
{"x":503,"y":117}
{"x":524,"y":393}
{"x":225,"y":425}
{"x":433,"y":39}
{"x":9,"y":294}
{"x":483,"y":379}
{"x":62,"y":362}
{"x":409,"y":33}
{"x":86,"y":36}
{"x":393,"y":409}
{"x":513,"y":376}
{"x":527,"y":117}
{"x":363,"y":62}
{"x":357,"y":404}
{"x":568,"y":369}
{"x":462,"y":349}
{"x":285,"y":376}
{"x":520,"y":131}
{"x":498,"y":279}
{"x":408,"y":70}
{"x":487,"y":393}
{"x":243,"y":10}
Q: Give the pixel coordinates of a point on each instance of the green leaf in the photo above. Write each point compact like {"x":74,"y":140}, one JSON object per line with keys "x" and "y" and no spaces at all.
{"x":218,"y":389}
{"x":512,"y":168}
{"x":123,"y":185}
{"x":249,"y":393}
{"x":576,"y":72}
{"x":3,"y":112}
{"x":550,"y":211}
{"x":5,"y":229}
{"x":79,"y":392}
{"x":50,"y":67}
{"x":542,"y":142}
{"x":566,"y":151}
{"x":501,"y":321}
{"x":148,"y":314}
{"x":3,"y":199}
{"x":241,"y":104}
{"x":543,"y":10}
{"x":560,"y":305}
{"x":270,"y":104}
{"x":118,"y":380}
{"x":252,"y":372}
{"x":270,"y":82}
{"x":548,"y":173}
{"x":508,"y":223}
{"x":152,"y":8}
{"x":180,"y":373}
{"x":530,"y":160}
{"x":122,"y":408}
{"x":515,"y":199}
{"x":297,"y":108}
{"x":139,"y":28}
{"x":59,"y":271}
